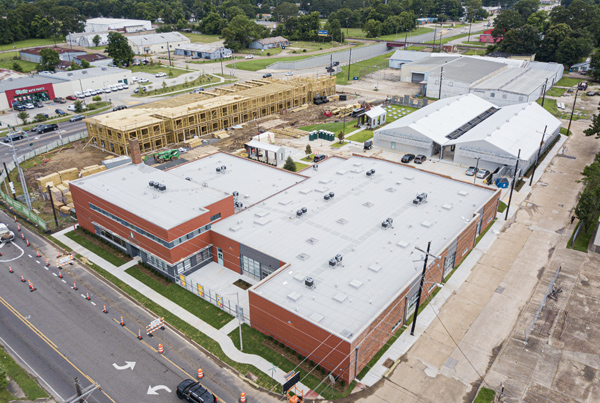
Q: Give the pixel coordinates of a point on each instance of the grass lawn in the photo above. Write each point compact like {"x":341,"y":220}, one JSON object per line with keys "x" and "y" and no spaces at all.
{"x":99,"y":47}
{"x":359,"y":33}
{"x":583,"y":239}
{"x":362,"y":136}
{"x":200,"y":81}
{"x":258,"y":52}
{"x":451,"y":38}
{"x":556,"y":92}
{"x":415,"y":47}
{"x":563,"y":130}
{"x":158,"y":69}
{"x":310,"y":46}
{"x":485,"y":395}
{"x":259,"y":64}
{"x":104,"y":253}
{"x":29,"y":385}
{"x":334,"y":127}
{"x":475,"y":43}
{"x":567,"y":82}
{"x":6,"y":62}
{"x":300,"y":166}
{"x":501,"y":207}
{"x":194,"y":304}
{"x":201,"y":38}
{"x":550,"y":106}
{"x":339,"y":144}
{"x":29,"y":43}
{"x":308,"y":158}
{"x":355,"y":68}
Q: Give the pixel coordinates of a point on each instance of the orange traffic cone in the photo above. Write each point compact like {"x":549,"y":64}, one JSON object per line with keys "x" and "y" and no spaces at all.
{"x":74,"y":286}
{"x":140,"y":334}
{"x":27,"y":240}
{"x":22,"y":278}
{"x":22,"y":236}
{"x":18,"y":227}
{"x":87,"y":295}
{"x":10,"y":269}
{"x":104,"y":309}
{"x":30,"y":285}
{"x":160,"y":349}
{"x":60,"y":275}
{"x":242,"y":397}
{"x":122,"y":323}
{"x":38,"y":253}
{"x":47,"y":262}
{"x":200,"y":374}
{"x":15,"y":218}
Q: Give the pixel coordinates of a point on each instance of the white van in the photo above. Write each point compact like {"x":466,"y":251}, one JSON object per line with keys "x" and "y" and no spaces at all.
{"x":79,"y":94}
{"x":113,"y":88}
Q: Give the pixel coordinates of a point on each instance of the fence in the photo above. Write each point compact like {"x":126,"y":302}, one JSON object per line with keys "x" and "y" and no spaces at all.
{"x":529,"y":328}
{"x":208,"y":295}
{"x":358,"y":54}
{"x":18,"y":206}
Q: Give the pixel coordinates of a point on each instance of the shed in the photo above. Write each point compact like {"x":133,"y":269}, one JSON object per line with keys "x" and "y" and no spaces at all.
{"x":376,"y":117}
{"x":264,"y":152}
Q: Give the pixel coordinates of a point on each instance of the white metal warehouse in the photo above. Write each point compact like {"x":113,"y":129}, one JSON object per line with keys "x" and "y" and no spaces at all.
{"x":472,"y":131}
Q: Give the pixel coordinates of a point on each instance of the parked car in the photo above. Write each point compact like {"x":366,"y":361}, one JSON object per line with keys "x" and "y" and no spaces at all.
{"x":267,"y":75}
{"x":368,"y":145}
{"x":407,"y":158}
{"x":591,"y":93}
{"x":38,"y":104}
{"x":60,"y":112}
{"x":192,"y":391}
{"x":136,"y":90}
{"x":161,"y":74}
{"x":289,"y":73}
{"x":144,"y":80}
{"x":14,"y":136}
{"x":29,"y":106}
{"x":72,"y":108}
{"x":87,"y":93}
{"x":106,"y":90}
{"x":43,"y":115}
{"x":92,"y":92}
{"x":47,"y":128}
{"x":125,"y":86}
{"x":79,"y":95}
{"x":76,"y":118}
{"x":134,"y":79}
{"x":72,"y":98}
{"x":483,"y":173}
{"x":419,"y":159}
{"x":60,"y":100}
{"x":17,"y":107}
{"x":249,"y":57}
{"x":119,"y":107}
{"x":471,"y":171}
{"x":319,"y":158}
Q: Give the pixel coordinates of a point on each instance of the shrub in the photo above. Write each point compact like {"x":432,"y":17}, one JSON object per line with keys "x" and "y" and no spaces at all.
{"x":268,"y":53}
{"x":97,"y":98}
{"x":312,"y":363}
{"x":281,"y":345}
{"x":343,"y":383}
{"x":321,"y":370}
{"x":303,"y":50}
{"x":270,"y":338}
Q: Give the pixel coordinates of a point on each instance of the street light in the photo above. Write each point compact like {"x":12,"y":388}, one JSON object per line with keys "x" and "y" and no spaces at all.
{"x":427,"y":254}
{"x":476,"y":169}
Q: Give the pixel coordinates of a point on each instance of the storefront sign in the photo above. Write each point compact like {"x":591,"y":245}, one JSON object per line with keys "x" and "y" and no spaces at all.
{"x":27,"y":94}
{"x":30,"y":90}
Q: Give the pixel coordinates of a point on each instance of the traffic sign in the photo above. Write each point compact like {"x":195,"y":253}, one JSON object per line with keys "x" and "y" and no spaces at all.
{"x":322,"y":32}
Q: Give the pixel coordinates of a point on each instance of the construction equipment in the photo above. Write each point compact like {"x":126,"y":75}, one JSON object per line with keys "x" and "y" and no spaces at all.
{"x":163,"y":156}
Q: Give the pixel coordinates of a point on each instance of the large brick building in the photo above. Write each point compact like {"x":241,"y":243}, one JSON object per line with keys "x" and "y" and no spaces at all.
{"x":283,"y":231}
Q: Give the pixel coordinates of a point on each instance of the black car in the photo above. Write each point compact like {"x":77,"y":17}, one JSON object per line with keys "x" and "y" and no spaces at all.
{"x":76,"y":118}
{"x":319,"y":158}
{"x":367,"y":145}
{"x":192,"y":391}
{"x":60,"y":100}
{"x":419,"y":159}
{"x":38,"y":104}
{"x":15,"y":136}
{"x":407,"y":158}
{"x":119,"y":107}
{"x":267,"y":75}
{"x":35,"y":128}
{"x":47,"y":128}
{"x":19,"y":107}
{"x":60,"y":112}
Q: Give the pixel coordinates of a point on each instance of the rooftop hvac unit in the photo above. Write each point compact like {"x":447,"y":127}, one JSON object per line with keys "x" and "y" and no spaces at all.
{"x":188,"y":179}
{"x":299,"y":213}
{"x":309,"y":282}
{"x":304,"y":210}
{"x":333,"y":262}
{"x":371,"y":172}
{"x":331,"y":194}
{"x":156,"y":185}
{"x":162,"y":187}
{"x":326,"y":197}
{"x":239,"y":204}
{"x":218,"y":169}
{"x":385,"y":224}
{"x":223,"y":168}
{"x":338,"y":258}
{"x":388,"y":223}
{"x":420,"y":199}
{"x":151,"y":184}
{"x":235,"y":194}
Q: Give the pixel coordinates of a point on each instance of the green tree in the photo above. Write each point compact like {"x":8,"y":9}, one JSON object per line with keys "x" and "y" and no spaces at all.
{"x":97,"y":98}
{"x":594,"y":129}
{"x":505,"y":21}
{"x":289,"y":165}
{"x":241,"y":32}
{"x":308,"y":150}
{"x":164,"y":85}
{"x":74,"y":66}
{"x":594,"y":70}
{"x":588,"y":205}
{"x":372,"y":28}
{"x":574,"y":48}
{"x":118,"y":48}
{"x":341,"y":136}
{"x":527,"y":7}
{"x":540,"y":20}
{"x":23,"y":115}
{"x":49,"y":60}
{"x":521,"y":41}
{"x":552,"y":39}
{"x":85,"y":64}
{"x":285,"y":10}
{"x":17,"y":67}
{"x":78,"y":106}
{"x":96,"y":39}
{"x":212,"y":24}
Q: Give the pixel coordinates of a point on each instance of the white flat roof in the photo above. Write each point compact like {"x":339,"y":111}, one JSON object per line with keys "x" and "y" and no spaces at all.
{"x":127,"y":187}
{"x":377,"y":262}
{"x":252,"y":180}
{"x":154,"y":39}
{"x":518,"y":81}
{"x":127,"y":21}
{"x":265,"y":146}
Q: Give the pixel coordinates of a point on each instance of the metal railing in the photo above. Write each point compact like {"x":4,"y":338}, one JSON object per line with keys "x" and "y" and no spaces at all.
{"x":529,"y":328}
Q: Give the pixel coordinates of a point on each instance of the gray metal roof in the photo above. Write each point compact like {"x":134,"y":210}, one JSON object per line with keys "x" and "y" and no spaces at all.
{"x":155,"y":39}
{"x":37,"y":79}
{"x":377,"y":263}
{"x":410,"y":55}
{"x":517,"y":81}
{"x":85,"y":73}
{"x":467,"y":69}
{"x":201,"y":47}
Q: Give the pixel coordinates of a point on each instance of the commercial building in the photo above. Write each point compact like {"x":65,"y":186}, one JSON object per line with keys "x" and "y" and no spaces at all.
{"x":31,"y":88}
{"x":157,"y":43}
{"x":472,"y":131}
{"x":203,"y":51}
{"x":86,"y":39}
{"x":94,"y":59}
{"x":401,"y":57}
{"x":486,"y":37}
{"x":331,"y":252}
{"x":92,"y":78}
{"x":269,"y":43}
{"x":180,"y":118}
{"x":64,"y":54}
{"x":113,"y":24}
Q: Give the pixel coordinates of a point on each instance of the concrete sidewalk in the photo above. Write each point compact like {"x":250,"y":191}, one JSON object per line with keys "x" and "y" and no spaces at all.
{"x":218,"y":335}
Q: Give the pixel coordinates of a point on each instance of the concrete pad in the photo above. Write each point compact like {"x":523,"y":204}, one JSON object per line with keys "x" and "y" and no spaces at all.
{"x":575,"y":379}
{"x":547,"y":367}
{"x":486,"y":276}
{"x":431,"y":352}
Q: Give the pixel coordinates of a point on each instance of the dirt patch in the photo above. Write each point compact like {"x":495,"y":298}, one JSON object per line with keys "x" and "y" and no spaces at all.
{"x":388,"y":363}
{"x":242,"y":284}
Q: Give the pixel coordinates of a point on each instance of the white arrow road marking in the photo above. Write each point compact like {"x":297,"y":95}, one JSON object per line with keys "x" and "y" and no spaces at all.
{"x":14,"y":258}
{"x":128,"y":364}
{"x":153,"y":390}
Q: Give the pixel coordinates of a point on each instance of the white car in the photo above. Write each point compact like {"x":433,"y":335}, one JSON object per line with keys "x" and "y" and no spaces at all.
{"x":71,"y":108}
{"x":125,"y":86}
{"x":144,"y":80}
{"x":29,"y":106}
{"x":289,"y":73}
{"x":93,"y":92}
{"x":161,"y":74}
{"x":106,"y":90}
{"x":119,"y":86}
{"x":79,"y":95}
{"x":134,"y":79}
{"x":249,"y":57}
{"x":87,"y":93}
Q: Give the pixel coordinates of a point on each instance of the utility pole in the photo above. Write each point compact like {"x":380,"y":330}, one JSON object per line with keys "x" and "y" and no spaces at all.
{"x":414,"y":324}
{"x":513,"y":184}
{"x":169,"y":53}
{"x":79,"y":391}
{"x":476,"y":169}
{"x":53,"y":208}
{"x":469,"y":37}
{"x":349,"y":63}
{"x":441,"y":78}
{"x":572,"y":110}
{"x":12,"y":187}
{"x":221,"y":52}
{"x":237,"y":308}
{"x":21,"y":175}
{"x":538,"y":155}
{"x":544,"y":94}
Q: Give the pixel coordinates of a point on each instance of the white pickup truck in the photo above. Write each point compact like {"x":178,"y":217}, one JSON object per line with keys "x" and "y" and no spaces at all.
{"x":6,"y":235}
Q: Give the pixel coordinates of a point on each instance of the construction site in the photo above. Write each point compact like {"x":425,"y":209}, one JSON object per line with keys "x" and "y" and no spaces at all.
{"x":159,"y":124}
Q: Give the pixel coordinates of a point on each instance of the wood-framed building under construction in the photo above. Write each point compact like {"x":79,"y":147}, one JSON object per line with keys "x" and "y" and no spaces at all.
{"x":180,"y":118}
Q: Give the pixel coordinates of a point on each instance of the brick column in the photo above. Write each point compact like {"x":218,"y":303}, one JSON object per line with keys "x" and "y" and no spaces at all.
{"x":134,"y":151}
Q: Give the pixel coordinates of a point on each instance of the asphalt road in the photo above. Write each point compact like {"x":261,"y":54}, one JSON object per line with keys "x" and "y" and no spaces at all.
{"x":57,"y":334}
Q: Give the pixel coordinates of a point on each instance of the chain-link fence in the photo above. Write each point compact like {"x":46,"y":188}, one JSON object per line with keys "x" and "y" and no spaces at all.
{"x":213,"y":297}
{"x":358,"y":54}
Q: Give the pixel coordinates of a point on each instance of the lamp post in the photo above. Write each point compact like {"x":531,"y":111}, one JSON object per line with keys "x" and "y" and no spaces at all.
{"x":538,"y":155}
{"x":572,"y":110}
{"x":476,"y":169}
{"x":427,"y":254}
{"x":513,"y":185}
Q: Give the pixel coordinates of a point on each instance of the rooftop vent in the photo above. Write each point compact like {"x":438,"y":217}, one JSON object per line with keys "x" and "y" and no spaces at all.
{"x":402,"y":244}
{"x":427,"y":224}
{"x":356,"y":283}
{"x":463,"y":193}
{"x":391,"y":189}
{"x":294,"y":296}
{"x":188,"y":179}
{"x":342,"y":221}
{"x":340,"y":297}
{"x":368,"y":204}
{"x":303,"y":256}
{"x":375,"y":267}
{"x":312,"y":241}
{"x":309,"y":282}
{"x":305,"y":191}
{"x":420,"y":199}
{"x":447,"y":206}
{"x":299,"y":277}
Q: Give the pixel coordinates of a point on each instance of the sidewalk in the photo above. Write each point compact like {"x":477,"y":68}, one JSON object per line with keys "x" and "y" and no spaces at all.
{"x":218,"y":335}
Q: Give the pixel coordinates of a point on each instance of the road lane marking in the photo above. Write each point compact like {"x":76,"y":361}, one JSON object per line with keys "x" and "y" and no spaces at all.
{"x":4,"y":343}
{"x":37,"y":261}
{"x":55,"y":275}
{"x":14,"y":258}
{"x":64,"y":281}
{"x":152,"y":390}
{"x":49,"y":342}
{"x":30,"y":256}
{"x":93,"y":303}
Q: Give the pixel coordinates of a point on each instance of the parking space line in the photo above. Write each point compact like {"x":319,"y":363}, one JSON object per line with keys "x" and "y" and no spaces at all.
{"x":37,"y":261}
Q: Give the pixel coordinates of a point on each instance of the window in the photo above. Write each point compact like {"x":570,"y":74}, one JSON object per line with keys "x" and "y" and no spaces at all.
{"x":215,"y":217}
{"x":520,"y":99}
{"x":156,"y":262}
{"x":251,"y":267}
{"x":492,"y":95}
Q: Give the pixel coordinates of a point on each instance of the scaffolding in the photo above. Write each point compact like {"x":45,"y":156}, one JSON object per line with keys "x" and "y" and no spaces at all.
{"x":173,"y":120}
